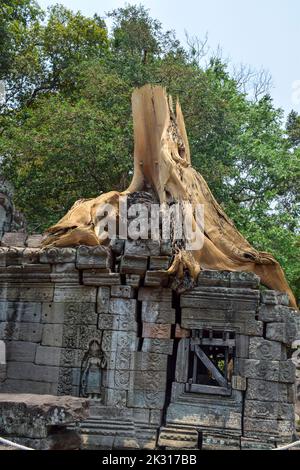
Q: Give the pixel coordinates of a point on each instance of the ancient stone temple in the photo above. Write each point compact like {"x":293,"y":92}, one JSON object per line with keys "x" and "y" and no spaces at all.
{"x":113,"y":346}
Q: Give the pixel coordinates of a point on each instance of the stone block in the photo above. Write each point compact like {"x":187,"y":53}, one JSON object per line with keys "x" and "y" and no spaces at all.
{"x":133,"y":264}
{"x":94,"y":277}
{"x":20,"y":312}
{"x":142,"y":247}
{"x":31,"y":332}
{"x":175,"y":437}
{"x":12,"y":255}
{"x":14,"y":239}
{"x":55,"y":255}
{"x":29,"y":371}
{"x":241,"y":345}
{"x":181,"y":371}
{"x":214,"y":278}
{"x":117,"y":322}
{"x":155,"y":330}
{"x":52,"y":335}
{"x":53,"y":312}
{"x":287,"y":371}
{"x":158,"y":263}
{"x":260,"y":348}
{"x":272,"y":297}
{"x":25,"y":274}
{"x":238,"y":382}
{"x":259,"y":369}
{"x":133,"y":280}
{"x":221,"y":298}
{"x":158,"y":312}
{"x":208,"y":416}
{"x":94,"y":257}
{"x":166,"y":248}
{"x":103,"y":296}
{"x":160,"y":346}
{"x":117,"y":246}
{"x":156,"y":279}
{"x":123,"y":292}
{"x":120,"y":359}
{"x":34,"y":241}
{"x":149,"y":361}
{"x":274,"y":313}
{"x":31,"y":256}
{"x":48,"y":355}
{"x":255,"y":409}
{"x":284,"y":332}
{"x":16,"y":386}
{"x":153,"y":399}
{"x":155,"y":294}
{"x":74,"y":294}
{"x":182,"y":332}
{"x":27,"y":292}
{"x":21,"y":351}
{"x":244,"y":280}
{"x":256,"y":444}
{"x":117,"y":379}
{"x":253,"y":426}
{"x":264,"y":390}
{"x":122,"y":307}
{"x":114,"y":340}
{"x":115,"y":397}
{"x":152,"y":380}
{"x":65,"y":273}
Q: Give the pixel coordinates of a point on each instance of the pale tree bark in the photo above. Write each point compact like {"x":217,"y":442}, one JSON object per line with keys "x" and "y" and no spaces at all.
{"x":162,"y":164}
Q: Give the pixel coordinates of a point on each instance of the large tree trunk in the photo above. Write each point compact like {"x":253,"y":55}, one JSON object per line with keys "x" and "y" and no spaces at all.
{"x":162,"y":164}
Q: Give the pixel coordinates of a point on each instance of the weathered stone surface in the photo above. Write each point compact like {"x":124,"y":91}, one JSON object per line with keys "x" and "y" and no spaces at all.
{"x":162,"y":346}
{"x":20,"y":311}
{"x":112,"y":340}
{"x":31,"y":332}
{"x":210,"y":416}
{"x":133,"y":280}
{"x":260,"y":369}
{"x":53,"y":312}
{"x":214,"y":298}
{"x":272,"y":297}
{"x":287,"y":371}
{"x":158,"y":312}
{"x":220,"y":442}
{"x":142,"y":247}
{"x":155,"y":330}
{"x":126,"y":292}
{"x":65,"y":273}
{"x":269,"y":410}
{"x":27,"y":291}
{"x":152,"y":380}
{"x":103,"y":296}
{"x":20,"y":351}
{"x":48,"y":355}
{"x":115,"y":397}
{"x":25,"y":273}
{"x":152,"y":399}
{"x":31,"y":256}
{"x":284,"y":332}
{"x":55,"y":255}
{"x":117,"y":246}
{"x":117,"y":322}
{"x":149,"y":361}
{"x":121,"y":359}
{"x":241,"y":345}
{"x":156,"y":279}
{"x":28,"y":386}
{"x":244,"y":280}
{"x":52,"y":335}
{"x":182,"y":332}
{"x":95,"y":277}
{"x":157,"y":263}
{"x":260,"y":348}
{"x":252,"y":426}
{"x":133,"y":264}
{"x":118,"y":379}
{"x":14,"y":239}
{"x":155,"y":294}
{"x":122,"y":307}
{"x":34,"y":241}
{"x":30,"y":371}
{"x":12,"y":256}
{"x":32,"y":415}
{"x":74,"y":294}
{"x":238,"y":382}
{"x":214,"y":278}
{"x":97,"y":257}
{"x":273,"y":313}
{"x":256,"y":444}
{"x":175,"y":437}
{"x":264,"y":390}
{"x":181,"y":371}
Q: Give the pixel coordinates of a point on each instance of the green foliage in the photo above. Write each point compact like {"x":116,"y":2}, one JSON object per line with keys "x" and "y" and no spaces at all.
{"x":66,"y":128}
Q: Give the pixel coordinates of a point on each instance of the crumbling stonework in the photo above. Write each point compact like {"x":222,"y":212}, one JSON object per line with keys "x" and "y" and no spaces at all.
{"x":209,"y":368}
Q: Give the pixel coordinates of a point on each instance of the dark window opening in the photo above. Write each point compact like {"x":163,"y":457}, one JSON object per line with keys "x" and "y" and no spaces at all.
{"x":210,"y":365}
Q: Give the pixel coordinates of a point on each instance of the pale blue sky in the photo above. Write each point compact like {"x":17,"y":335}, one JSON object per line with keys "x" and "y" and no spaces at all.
{"x":261,"y":33}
